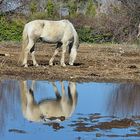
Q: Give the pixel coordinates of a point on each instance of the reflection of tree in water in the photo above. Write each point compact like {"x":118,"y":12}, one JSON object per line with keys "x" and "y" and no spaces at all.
{"x":125,"y":100}
{"x":8,"y":100}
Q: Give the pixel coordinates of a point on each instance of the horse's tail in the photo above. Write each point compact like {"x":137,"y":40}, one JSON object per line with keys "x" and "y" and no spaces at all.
{"x":24,"y":43}
{"x":76,"y":40}
{"x":75,"y":45}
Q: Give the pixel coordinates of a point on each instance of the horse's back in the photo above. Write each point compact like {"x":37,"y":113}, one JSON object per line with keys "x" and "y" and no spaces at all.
{"x":51,"y":31}
{"x":50,"y":23}
{"x":57,"y":31}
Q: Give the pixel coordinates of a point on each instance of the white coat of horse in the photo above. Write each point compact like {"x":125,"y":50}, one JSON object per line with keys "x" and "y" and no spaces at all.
{"x":61,"y":32}
{"x":138,"y":31}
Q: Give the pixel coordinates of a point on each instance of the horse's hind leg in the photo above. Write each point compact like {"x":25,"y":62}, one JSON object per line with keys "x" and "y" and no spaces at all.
{"x":59,"y":44}
{"x":32,"y":51}
{"x":73,"y":55}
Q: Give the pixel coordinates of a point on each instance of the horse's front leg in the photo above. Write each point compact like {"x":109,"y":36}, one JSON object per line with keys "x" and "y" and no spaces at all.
{"x":52,"y":59}
{"x":58,"y":96}
{"x":62,"y":62}
{"x":25,"y":58}
{"x":34,"y":60}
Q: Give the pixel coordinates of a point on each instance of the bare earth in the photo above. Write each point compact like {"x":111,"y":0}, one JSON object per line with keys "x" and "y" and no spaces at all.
{"x":104,"y":63}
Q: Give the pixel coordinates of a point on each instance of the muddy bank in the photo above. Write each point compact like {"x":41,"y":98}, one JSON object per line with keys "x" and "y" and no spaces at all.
{"x":112,"y":63}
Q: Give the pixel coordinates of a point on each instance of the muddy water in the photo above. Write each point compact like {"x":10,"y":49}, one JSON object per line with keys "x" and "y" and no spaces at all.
{"x":68,"y":110}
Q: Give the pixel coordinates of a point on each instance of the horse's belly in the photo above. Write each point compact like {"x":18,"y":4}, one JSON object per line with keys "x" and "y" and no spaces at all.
{"x":50,"y":39}
{"x":53,"y":36}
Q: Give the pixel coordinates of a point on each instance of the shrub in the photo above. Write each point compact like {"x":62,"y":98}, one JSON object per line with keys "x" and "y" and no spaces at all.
{"x":72,"y":5}
{"x":87,"y":34}
{"x":33,"y":6}
{"x":91,"y":9}
{"x":50,"y":8}
{"x":39,"y":15}
{"x":10,"y":30}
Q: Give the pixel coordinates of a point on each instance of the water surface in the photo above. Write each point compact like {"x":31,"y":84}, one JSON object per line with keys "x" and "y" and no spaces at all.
{"x":67,"y":110}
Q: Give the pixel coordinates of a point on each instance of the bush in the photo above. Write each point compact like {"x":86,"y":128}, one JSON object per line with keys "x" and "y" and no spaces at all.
{"x":33,"y":6}
{"x":87,"y":34}
{"x":10,"y":30}
{"x":112,"y":27}
{"x":91,"y":9}
{"x":39,"y":15}
{"x":72,"y":8}
{"x":50,"y":8}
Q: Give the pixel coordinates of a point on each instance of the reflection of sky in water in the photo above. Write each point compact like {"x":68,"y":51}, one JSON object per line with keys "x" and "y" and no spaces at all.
{"x":92,"y":98}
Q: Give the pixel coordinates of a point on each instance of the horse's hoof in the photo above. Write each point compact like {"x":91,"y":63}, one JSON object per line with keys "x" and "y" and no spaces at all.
{"x":44,"y":67}
{"x":50,"y":64}
{"x":63,"y":65}
{"x":71,"y":64}
{"x":24,"y":65}
{"x":36,"y":65}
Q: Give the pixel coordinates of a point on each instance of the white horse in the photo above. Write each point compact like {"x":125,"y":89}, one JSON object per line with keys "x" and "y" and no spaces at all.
{"x":61,"y":32}
{"x":61,"y":107}
{"x":138,"y":31}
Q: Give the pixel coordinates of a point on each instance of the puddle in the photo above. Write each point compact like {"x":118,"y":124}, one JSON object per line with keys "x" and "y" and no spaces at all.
{"x":68,"y":110}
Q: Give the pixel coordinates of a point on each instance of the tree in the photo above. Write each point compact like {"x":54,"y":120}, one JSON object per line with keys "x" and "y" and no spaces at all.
{"x":72,"y":5}
{"x":33,"y":6}
{"x":91,"y":8}
{"x":50,"y":7}
{"x":132,"y":8}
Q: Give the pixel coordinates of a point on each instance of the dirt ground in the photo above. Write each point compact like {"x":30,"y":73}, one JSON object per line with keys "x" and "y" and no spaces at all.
{"x":104,"y":63}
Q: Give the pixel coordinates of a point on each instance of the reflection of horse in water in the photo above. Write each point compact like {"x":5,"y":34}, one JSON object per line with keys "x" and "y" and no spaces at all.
{"x":60,"y":108}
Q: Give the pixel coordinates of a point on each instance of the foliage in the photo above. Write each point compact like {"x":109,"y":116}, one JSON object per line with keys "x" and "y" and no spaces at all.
{"x":38,"y":15}
{"x":91,"y":8}
{"x":10,"y":30}
{"x":72,"y":8}
{"x":33,"y":6}
{"x":50,"y":7}
{"x":119,"y":24}
{"x":87,"y":34}
{"x":132,"y":8}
